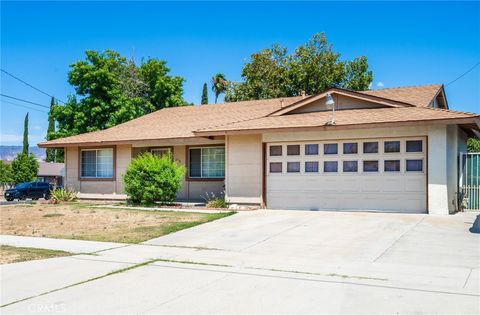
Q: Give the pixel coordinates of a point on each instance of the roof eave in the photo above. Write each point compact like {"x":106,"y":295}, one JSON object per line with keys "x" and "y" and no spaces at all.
{"x":450,"y":121}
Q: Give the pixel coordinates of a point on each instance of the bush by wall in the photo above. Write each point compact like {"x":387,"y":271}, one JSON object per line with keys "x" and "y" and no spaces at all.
{"x":150,"y":179}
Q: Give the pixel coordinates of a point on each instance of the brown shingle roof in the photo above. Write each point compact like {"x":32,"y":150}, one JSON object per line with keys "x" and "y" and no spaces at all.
{"x":352,"y":117}
{"x":178,"y":122}
{"x":183,"y":122}
{"x":420,"y":95}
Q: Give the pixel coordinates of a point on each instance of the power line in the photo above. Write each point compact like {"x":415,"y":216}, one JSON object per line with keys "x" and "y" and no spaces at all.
{"x":22,"y":100}
{"x":15,"y":104}
{"x":465,"y":73}
{"x":28,"y":84}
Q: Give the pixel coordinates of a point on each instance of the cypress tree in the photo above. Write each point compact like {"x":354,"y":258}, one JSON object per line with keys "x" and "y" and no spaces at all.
{"x":51,"y":129}
{"x":205,"y":94}
{"x":25,"y":135}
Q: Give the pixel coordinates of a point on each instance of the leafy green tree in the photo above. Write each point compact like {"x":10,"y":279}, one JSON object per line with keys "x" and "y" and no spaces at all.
{"x":473,"y":145}
{"x":205,"y":94}
{"x":24,"y":168}
{"x":311,"y":68}
{"x":25,"y":135}
{"x":150,"y":178}
{"x":113,"y":90}
{"x":219,"y":85}
{"x":6,"y":175}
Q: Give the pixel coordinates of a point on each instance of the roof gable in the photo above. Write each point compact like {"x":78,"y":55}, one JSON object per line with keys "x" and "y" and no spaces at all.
{"x":363,"y":101}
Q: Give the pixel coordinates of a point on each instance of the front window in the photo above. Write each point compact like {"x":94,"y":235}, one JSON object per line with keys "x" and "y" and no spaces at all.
{"x":161,"y":151}
{"x":96,"y":163}
{"x":23,"y":186}
{"x":208,"y":162}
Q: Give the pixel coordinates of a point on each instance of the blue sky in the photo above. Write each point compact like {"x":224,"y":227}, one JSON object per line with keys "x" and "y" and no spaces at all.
{"x":406,"y":43}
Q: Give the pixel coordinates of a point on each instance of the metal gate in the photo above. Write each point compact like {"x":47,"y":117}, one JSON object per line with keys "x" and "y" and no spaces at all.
{"x":470,"y":181}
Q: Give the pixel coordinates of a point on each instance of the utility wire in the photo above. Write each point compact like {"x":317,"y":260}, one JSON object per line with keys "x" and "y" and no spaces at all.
{"x":465,"y":73}
{"x":15,"y":104}
{"x":22,"y":100}
{"x":28,"y":84}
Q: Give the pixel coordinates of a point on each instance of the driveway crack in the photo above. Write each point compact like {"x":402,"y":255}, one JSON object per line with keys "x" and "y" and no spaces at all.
{"x":398,"y":238}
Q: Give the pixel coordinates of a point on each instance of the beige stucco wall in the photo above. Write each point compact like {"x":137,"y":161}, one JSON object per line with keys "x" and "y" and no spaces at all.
{"x":123,"y":158}
{"x":244,"y":169}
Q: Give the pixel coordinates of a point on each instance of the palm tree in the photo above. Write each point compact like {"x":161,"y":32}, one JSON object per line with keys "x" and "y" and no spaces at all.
{"x":219,"y":85}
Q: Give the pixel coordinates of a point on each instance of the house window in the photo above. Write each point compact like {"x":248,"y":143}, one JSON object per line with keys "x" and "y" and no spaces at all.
{"x":208,"y":162}
{"x":311,"y":149}
{"x":370,"y":166}
{"x":414,"y":146}
{"x":350,"y":148}
{"x":160,"y":151}
{"x":311,"y":167}
{"x":330,"y":166}
{"x":414,"y":165}
{"x":276,"y":167}
{"x":350,"y":166}
{"x":330,"y":148}
{"x":392,"y":165}
{"x":96,"y":163}
{"x":391,"y":146}
{"x":276,"y":150}
{"x":293,"y":149}
{"x":293,"y":167}
{"x":370,"y":147}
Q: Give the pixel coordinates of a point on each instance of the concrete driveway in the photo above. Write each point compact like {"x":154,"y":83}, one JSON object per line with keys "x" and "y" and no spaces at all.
{"x":268,"y":262}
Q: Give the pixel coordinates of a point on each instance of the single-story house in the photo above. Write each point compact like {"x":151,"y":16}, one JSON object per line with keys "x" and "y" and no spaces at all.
{"x":51,"y":172}
{"x":392,"y":149}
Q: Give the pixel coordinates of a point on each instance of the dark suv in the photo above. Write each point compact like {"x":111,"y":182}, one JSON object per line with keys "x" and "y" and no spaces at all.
{"x":34,"y":190}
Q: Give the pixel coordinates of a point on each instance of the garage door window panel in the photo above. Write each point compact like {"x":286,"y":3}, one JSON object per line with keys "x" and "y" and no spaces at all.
{"x":391,"y":146}
{"x":330,"y":148}
{"x":370,"y":147}
{"x":350,"y":148}
{"x":330,"y":166}
{"x":311,"y":149}
{"x":275,"y":167}
{"x":350,"y":166}
{"x":293,"y":167}
{"x":276,"y":150}
{"x":414,"y":146}
{"x":370,"y":166}
{"x":392,"y":166}
{"x":311,"y":167}
{"x":414,"y":165}
{"x":293,"y":149}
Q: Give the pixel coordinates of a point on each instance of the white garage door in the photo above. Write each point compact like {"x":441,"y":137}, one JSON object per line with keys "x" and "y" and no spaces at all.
{"x":367,"y":174}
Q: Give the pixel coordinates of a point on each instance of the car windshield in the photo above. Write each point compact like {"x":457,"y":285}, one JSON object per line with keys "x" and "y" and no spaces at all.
{"x":22,"y":185}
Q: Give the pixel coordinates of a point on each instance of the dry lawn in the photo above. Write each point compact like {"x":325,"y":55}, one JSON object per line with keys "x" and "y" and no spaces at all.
{"x":81,"y":222}
{"x":10,"y":254}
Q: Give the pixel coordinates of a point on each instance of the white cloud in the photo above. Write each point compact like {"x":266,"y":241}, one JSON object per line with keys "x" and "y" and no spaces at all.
{"x":380,"y":84}
{"x":370,"y":86}
{"x":37,"y":127}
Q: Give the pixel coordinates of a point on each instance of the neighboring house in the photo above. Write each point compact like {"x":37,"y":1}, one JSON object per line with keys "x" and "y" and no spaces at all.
{"x":52,"y":173}
{"x":390,"y":150}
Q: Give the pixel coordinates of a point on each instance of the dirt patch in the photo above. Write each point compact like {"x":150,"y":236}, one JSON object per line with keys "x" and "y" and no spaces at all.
{"x":10,"y":254}
{"x":78,"y":221}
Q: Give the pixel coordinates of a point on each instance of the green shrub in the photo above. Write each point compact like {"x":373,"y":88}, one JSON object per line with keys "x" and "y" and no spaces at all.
{"x":24,"y":168}
{"x":63,"y":194}
{"x":150,"y":178}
